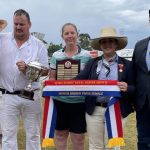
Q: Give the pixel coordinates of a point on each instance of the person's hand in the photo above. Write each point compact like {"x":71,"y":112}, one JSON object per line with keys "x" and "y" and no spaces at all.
{"x":123,"y":86}
{"x":21,"y":66}
{"x":3,"y":24}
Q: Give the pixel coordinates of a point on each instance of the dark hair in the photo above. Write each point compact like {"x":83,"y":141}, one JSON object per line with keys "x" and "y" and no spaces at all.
{"x":149,"y":13}
{"x":68,"y":24}
{"x":20,"y":12}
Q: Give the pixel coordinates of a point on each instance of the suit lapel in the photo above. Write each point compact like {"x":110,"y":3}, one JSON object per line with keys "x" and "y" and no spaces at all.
{"x":94,"y":67}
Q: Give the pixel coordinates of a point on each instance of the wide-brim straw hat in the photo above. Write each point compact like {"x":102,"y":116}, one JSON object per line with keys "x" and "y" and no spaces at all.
{"x":3,"y":24}
{"x":106,"y":33}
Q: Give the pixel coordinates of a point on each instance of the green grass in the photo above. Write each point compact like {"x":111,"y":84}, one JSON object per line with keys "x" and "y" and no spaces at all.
{"x":130,"y":136}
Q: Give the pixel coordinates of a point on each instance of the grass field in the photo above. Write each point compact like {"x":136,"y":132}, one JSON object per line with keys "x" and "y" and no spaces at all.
{"x":130,"y":136}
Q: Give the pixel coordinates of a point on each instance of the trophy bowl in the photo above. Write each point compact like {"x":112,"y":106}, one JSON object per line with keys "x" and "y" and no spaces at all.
{"x":33,"y":73}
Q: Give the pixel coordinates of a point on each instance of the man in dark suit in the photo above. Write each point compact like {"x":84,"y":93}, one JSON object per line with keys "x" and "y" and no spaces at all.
{"x":109,"y":66}
{"x":141,"y":66}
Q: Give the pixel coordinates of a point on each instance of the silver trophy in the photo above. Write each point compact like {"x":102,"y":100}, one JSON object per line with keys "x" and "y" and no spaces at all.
{"x":33,"y":73}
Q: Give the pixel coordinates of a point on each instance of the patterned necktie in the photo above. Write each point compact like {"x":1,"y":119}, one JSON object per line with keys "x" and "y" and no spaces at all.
{"x":107,"y":69}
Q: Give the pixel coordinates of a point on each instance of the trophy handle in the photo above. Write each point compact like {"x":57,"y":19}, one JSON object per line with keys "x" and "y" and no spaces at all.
{"x":41,"y":71}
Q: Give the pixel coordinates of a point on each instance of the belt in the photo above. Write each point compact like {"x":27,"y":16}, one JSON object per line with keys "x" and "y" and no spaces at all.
{"x":101,"y":104}
{"x":7,"y":92}
{"x":24,"y":94}
{"x":27,"y":95}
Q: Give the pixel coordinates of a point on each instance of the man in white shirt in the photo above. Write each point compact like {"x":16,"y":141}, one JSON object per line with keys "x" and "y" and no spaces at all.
{"x":17,"y":50}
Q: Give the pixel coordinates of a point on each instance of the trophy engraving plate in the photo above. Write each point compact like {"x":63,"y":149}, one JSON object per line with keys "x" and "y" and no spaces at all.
{"x":67,"y":69}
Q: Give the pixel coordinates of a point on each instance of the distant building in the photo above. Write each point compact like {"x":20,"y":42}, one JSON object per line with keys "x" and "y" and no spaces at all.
{"x":40,"y":36}
{"x":126,"y":53}
{"x":95,"y":53}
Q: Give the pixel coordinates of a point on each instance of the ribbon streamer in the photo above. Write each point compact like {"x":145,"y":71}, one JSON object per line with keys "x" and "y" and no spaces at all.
{"x":49,"y":121}
{"x":83,"y":88}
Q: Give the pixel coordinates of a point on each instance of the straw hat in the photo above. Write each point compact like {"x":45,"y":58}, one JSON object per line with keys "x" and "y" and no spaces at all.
{"x":109,"y":32}
{"x":3,"y":24}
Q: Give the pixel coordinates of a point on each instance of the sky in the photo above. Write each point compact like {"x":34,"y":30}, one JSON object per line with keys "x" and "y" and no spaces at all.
{"x":129,"y":17}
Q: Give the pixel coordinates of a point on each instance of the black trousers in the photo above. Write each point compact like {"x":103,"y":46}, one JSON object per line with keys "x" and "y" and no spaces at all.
{"x":143,"y":127}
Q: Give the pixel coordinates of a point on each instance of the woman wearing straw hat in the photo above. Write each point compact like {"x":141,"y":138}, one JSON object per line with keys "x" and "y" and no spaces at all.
{"x":109,"y":66}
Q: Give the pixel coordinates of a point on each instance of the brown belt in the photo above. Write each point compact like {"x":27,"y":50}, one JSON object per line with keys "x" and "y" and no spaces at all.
{"x":27,"y":95}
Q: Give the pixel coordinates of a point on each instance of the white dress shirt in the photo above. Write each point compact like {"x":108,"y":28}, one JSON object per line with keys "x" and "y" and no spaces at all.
{"x":11,"y":78}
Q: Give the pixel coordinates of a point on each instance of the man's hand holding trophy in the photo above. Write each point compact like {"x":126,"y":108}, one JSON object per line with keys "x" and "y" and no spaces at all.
{"x":33,"y":71}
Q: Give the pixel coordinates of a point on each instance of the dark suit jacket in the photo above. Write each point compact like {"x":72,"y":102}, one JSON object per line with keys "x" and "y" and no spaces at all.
{"x":142,"y":76}
{"x":89,"y":73}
